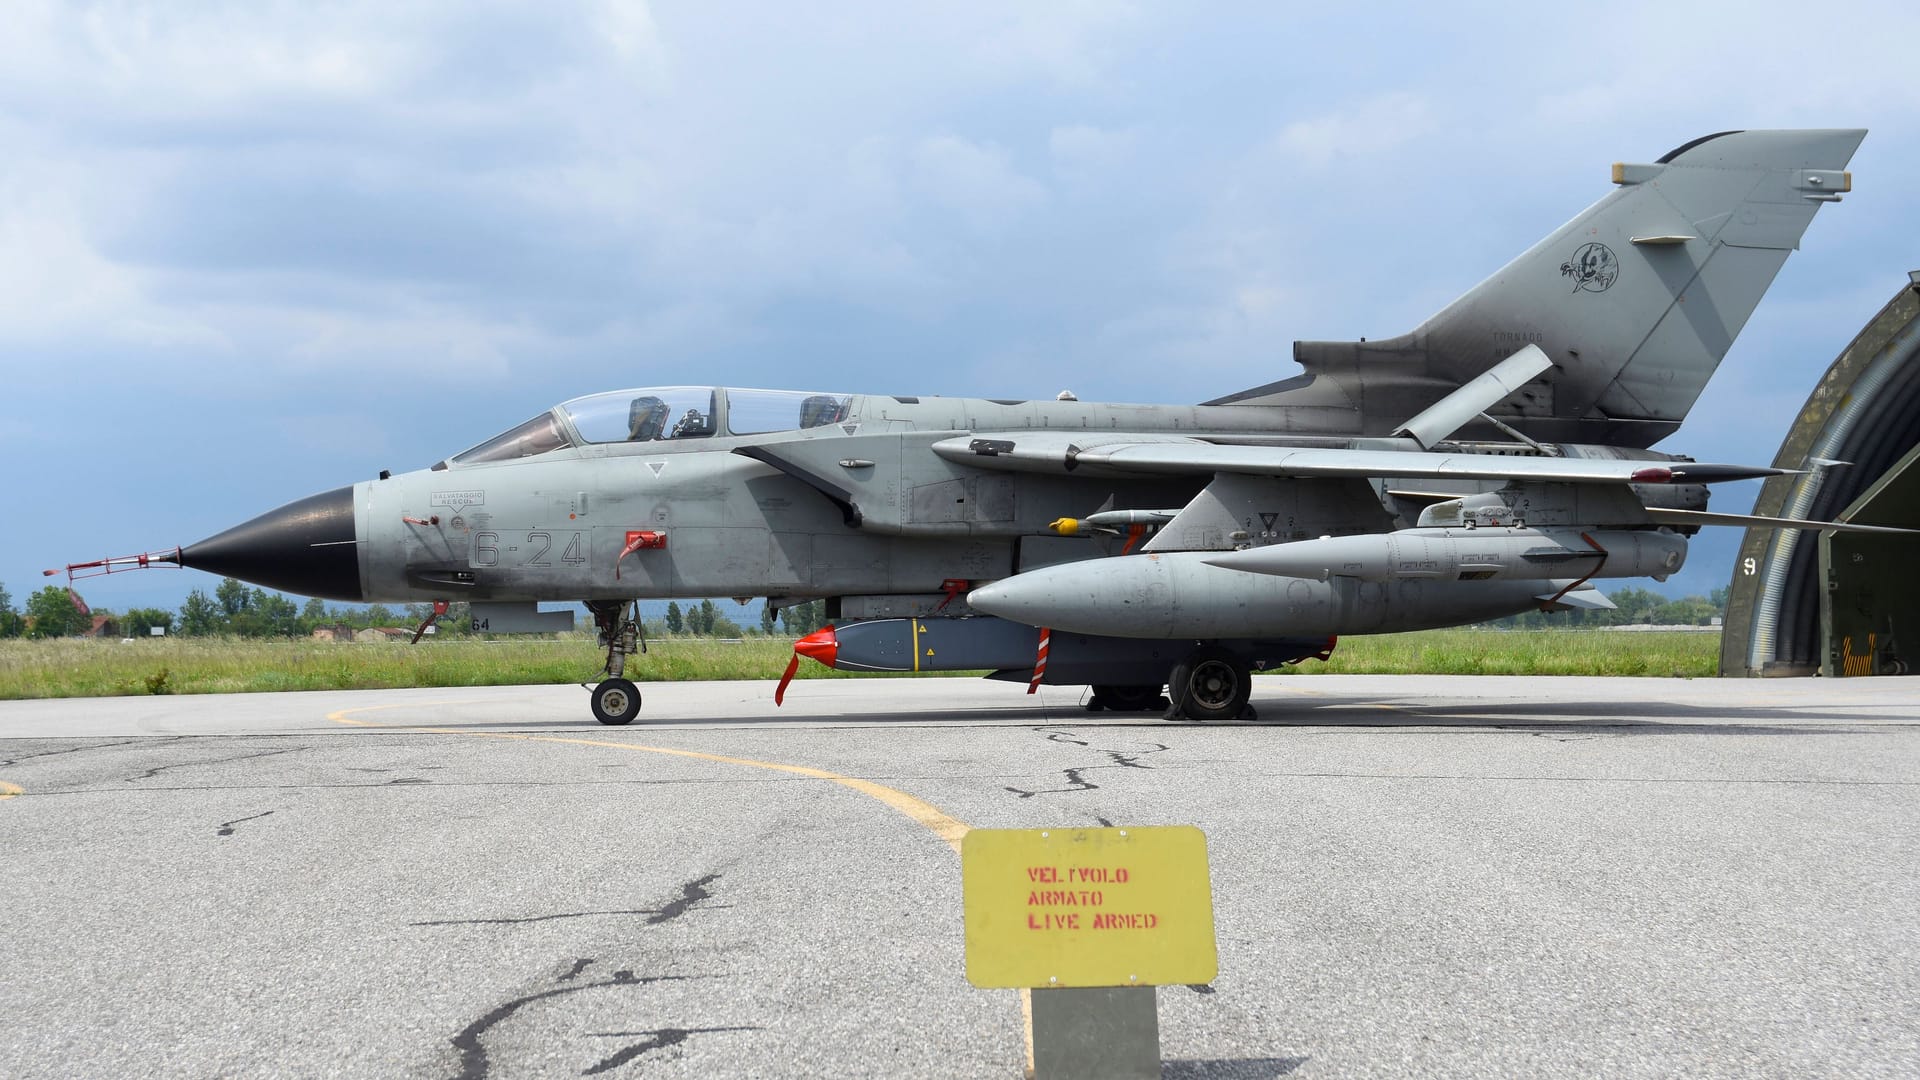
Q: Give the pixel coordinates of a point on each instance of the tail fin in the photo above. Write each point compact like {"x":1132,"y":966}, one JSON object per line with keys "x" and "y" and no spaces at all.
{"x":1636,"y":300}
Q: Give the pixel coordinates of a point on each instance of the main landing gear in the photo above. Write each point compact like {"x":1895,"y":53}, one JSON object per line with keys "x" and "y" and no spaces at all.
{"x":1210,"y":684}
{"x":616,"y":700}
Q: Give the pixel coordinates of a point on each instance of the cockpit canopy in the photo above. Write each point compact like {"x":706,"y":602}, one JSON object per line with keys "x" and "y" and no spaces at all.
{"x":661,"y":413}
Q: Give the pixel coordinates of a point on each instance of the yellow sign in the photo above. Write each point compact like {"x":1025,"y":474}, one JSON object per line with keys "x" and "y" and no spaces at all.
{"x":1088,"y":907}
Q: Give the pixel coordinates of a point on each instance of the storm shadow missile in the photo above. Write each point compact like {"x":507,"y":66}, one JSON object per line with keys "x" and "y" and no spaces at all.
{"x":1013,"y":650}
{"x":1479,"y":554}
{"x":970,"y":644}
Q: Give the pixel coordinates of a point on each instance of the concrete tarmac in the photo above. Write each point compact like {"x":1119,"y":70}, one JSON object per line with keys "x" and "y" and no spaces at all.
{"x":1412,"y":877}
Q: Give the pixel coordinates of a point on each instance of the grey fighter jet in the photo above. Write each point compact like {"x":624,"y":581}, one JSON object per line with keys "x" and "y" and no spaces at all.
{"x":1492,"y":461}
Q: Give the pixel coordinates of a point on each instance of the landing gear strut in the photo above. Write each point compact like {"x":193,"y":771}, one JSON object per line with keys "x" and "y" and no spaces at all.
{"x":616,"y":700}
{"x":1210,"y":684}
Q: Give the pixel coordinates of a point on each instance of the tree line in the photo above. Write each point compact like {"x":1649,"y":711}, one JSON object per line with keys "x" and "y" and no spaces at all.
{"x":1632,"y":607}
{"x":234,"y":609}
{"x":704,"y":620}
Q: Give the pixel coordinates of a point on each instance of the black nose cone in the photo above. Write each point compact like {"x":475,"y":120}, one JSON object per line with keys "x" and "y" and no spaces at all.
{"x":306,"y":547}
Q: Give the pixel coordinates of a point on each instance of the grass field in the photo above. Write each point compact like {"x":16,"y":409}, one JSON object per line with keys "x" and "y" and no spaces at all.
{"x":74,"y":668}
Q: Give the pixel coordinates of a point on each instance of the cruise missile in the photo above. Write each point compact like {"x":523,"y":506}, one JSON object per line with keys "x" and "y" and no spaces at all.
{"x":1013,"y":650}
{"x":1479,"y":554}
{"x":973,"y":644}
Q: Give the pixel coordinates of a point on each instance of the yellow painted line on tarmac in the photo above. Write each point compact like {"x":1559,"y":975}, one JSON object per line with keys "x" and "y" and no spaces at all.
{"x":341,"y":716}
{"x":8,"y":791}
{"x":943,"y":825}
{"x":935,"y":820}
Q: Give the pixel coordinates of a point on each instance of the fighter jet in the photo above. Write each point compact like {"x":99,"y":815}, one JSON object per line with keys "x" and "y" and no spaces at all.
{"x":1494,"y":460}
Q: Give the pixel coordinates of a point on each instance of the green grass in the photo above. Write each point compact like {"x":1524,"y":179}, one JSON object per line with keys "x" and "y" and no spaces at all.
{"x":72,"y":668}
{"x":1675,"y":653}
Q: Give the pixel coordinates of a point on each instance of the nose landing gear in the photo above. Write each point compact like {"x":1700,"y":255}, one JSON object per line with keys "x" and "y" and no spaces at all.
{"x":616,"y":700}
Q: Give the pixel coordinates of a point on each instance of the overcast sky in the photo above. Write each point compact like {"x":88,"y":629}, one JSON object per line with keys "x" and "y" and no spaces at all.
{"x":251,"y":251}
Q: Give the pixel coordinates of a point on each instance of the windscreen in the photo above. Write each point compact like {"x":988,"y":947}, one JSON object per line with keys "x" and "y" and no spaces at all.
{"x":536,"y":436}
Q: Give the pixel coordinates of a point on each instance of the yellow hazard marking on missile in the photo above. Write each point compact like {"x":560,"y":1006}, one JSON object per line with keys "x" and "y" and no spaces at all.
{"x":949,"y":829}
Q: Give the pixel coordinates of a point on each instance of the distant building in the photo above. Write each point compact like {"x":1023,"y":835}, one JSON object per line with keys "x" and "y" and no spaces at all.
{"x":102,"y":626}
{"x":333,"y":633}
{"x":383,"y":634}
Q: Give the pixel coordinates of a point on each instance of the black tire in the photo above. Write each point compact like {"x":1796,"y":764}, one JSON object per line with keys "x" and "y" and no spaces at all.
{"x":1211,"y":684}
{"x":1128,"y":698}
{"x":616,"y":702}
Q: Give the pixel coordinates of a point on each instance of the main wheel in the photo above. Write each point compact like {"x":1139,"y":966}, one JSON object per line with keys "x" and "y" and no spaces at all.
{"x":1211,"y":684}
{"x":616,"y":702}
{"x":1127,"y":698}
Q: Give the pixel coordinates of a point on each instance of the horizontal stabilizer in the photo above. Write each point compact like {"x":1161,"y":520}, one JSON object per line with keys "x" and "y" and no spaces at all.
{"x":1588,"y":599}
{"x":1708,"y":517}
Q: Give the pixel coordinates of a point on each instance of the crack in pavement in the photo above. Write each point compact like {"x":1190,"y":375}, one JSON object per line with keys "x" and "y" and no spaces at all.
{"x":473,"y":1053}
{"x":1075,"y":782}
{"x":655,"y":1040}
{"x":158,"y":769}
{"x":690,"y":894}
{"x":1076,"y":777}
{"x":88,"y":746}
{"x":226,"y":827}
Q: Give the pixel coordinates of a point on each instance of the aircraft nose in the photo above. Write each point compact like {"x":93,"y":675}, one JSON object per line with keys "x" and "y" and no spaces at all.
{"x":307,"y":547}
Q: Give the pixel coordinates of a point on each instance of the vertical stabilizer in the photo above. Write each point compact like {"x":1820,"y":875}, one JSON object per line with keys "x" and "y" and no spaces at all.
{"x":1635,"y":301}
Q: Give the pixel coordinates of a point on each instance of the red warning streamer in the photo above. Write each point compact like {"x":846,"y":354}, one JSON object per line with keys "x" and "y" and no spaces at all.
{"x":952,"y":587}
{"x":1040,"y":661}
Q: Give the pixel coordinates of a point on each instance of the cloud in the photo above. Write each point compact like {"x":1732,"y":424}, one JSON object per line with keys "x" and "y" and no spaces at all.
{"x":1082,"y":151}
{"x":973,"y":179}
{"x":1070,"y":42}
{"x":1358,"y":131}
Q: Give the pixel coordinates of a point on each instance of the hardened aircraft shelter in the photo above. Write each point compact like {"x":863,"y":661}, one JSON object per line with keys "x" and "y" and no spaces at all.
{"x":1840,"y":604}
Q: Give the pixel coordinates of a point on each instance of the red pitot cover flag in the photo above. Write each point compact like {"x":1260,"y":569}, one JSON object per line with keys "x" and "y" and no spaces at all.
{"x":79,"y":605}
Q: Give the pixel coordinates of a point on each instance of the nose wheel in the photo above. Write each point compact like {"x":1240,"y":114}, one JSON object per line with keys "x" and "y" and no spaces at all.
{"x":1210,"y":684}
{"x":616,"y":702}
